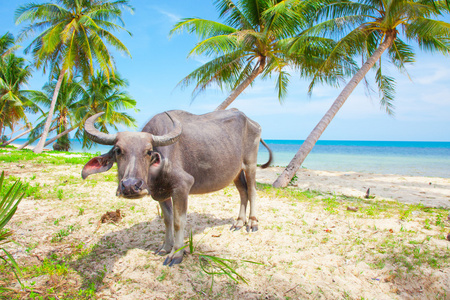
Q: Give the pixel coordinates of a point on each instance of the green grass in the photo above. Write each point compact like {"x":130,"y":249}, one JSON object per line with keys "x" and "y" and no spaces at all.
{"x":30,"y":190}
{"x":61,"y":277}
{"x":48,"y":157}
{"x":61,"y":234}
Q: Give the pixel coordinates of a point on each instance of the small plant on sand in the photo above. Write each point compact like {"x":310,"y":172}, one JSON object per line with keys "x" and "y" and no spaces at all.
{"x":9,"y":201}
{"x":213,"y":265}
{"x":60,"y":235}
{"x":293,"y":180}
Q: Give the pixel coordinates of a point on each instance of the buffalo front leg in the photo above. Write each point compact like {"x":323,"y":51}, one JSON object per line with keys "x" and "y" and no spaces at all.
{"x":166,"y":207}
{"x":241,"y":184}
{"x":179,"y":224}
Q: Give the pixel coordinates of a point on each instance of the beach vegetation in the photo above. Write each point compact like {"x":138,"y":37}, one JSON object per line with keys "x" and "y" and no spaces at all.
{"x":77,"y":101}
{"x":14,"y":76}
{"x":368,"y":29}
{"x":67,"y":103}
{"x":10,"y":197}
{"x":61,"y":234}
{"x":213,"y":265}
{"x":253,"y":41}
{"x":49,"y":157}
{"x":73,"y":38}
{"x":108,"y":95}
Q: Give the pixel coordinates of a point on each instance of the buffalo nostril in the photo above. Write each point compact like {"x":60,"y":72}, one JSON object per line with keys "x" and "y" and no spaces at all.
{"x":138,"y":185}
{"x":131,"y":186}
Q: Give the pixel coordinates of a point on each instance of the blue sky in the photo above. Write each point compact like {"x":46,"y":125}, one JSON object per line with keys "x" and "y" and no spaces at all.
{"x":158,"y":63}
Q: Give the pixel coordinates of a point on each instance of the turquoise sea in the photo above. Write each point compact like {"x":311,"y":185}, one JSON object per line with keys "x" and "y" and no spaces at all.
{"x":383,"y":157}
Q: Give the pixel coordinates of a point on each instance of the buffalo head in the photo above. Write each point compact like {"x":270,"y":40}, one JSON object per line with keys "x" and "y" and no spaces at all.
{"x":134,"y":154}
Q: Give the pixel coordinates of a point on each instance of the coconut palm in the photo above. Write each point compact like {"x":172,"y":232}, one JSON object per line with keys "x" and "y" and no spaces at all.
{"x":370,"y":28}
{"x":69,"y":96}
{"x":7,"y":44}
{"x":77,"y":102}
{"x":252,"y":41}
{"x":75,"y":37}
{"x":14,"y":74}
{"x":109,"y":97}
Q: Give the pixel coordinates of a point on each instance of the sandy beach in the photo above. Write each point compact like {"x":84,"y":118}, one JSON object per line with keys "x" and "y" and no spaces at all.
{"x":309,"y":246}
{"x":429,"y":191}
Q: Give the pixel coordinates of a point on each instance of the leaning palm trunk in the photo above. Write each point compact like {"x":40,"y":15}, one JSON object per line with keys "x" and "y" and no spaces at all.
{"x":60,"y":135}
{"x":288,"y":173}
{"x":30,"y":141}
{"x":258,"y":70}
{"x":14,"y":131}
{"x":40,"y":146}
{"x":20,"y":135}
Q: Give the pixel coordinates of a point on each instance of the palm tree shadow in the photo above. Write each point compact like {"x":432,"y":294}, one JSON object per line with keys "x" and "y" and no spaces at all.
{"x":147,"y":236}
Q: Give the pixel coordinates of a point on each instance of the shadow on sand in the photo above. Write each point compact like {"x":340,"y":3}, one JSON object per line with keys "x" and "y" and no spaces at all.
{"x":147,"y":236}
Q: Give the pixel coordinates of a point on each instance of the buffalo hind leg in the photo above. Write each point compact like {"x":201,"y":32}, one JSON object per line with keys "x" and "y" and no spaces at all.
{"x":166,"y":207}
{"x":250,"y":175}
{"x":241,"y":184}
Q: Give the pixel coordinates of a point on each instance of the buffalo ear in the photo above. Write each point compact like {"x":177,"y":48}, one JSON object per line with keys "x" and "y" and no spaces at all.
{"x":98,"y":164}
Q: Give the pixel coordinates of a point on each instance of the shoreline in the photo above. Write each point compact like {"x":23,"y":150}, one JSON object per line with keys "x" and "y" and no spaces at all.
{"x":428,"y":162}
{"x":428,"y":191}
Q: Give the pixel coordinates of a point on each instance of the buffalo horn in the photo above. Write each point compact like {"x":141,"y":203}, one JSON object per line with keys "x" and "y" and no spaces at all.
{"x":96,"y":135}
{"x":171,"y":137}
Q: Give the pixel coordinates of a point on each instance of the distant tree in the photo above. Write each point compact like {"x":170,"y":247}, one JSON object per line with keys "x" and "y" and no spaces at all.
{"x":14,"y":74}
{"x":74,"y":38}
{"x":76,"y":102}
{"x":7,"y":44}
{"x":109,"y":97}
{"x":370,"y":28}
{"x":69,"y":96}
{"x":254,"y":40}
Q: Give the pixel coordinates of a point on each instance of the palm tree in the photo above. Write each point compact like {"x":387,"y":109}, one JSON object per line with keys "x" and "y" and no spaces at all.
{"x":7,"y":44}
{"x":74,"y":38}
{"x":14,"y":74}
{"x":108,"y":97}
{"x":76,"y":103}
{"x":69,"y":96}
{"x":375,"y":27}
{"x":253,"y":40}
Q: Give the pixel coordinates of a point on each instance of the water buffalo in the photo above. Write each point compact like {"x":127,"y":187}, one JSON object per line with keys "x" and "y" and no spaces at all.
{"x":177,"y":154}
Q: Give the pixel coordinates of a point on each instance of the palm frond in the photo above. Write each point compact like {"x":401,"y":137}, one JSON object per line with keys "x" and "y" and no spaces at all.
{"x":386,"y":86}
{"x":202,"y":28}
{"x":216,"y":45}
{"x":282,"y":85}
{"x":431,"y":35}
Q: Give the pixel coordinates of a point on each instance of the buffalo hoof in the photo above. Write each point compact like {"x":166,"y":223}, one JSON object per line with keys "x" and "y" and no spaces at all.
{"x":235,"y":228}
{"x":252,"y":228}
{"x":163,"y":250}
{"x":238,"y":225}
{"x":173,"y":260}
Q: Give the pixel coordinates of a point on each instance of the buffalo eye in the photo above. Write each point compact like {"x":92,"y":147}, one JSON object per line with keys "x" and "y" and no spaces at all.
{"x":149,"y":153}
{"x":117,"y":151}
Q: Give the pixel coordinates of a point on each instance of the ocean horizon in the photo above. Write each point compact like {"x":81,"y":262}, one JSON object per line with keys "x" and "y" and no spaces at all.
{"x":409,"y":158}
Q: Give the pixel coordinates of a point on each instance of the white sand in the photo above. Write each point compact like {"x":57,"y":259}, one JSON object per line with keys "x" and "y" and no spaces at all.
{"x":429,"y":191}
{"x":307,"y":251}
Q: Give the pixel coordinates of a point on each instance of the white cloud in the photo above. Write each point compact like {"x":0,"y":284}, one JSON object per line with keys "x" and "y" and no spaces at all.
{"x":173,"y":18}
